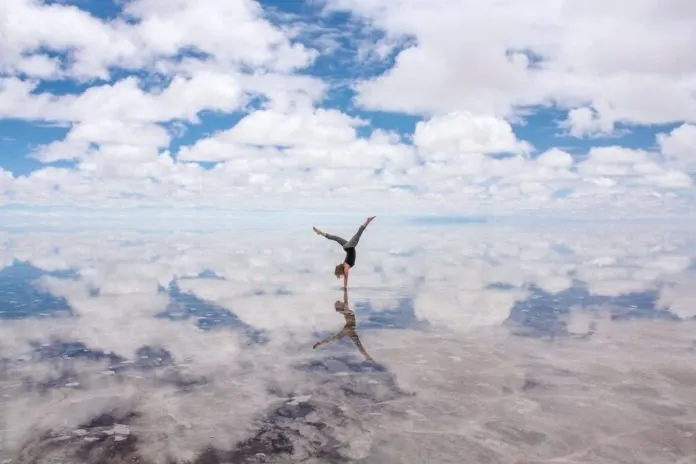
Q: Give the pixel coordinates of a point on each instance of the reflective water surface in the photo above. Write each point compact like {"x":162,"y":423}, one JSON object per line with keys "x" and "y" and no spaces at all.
{"x":461,"y":344}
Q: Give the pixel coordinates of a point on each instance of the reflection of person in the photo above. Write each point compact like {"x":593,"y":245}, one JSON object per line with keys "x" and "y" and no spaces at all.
{"x":348,"y":329}
{"x":349,"y":246}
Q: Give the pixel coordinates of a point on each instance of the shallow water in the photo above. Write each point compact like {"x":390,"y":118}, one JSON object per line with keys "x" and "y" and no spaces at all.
{"x":480,"y":344}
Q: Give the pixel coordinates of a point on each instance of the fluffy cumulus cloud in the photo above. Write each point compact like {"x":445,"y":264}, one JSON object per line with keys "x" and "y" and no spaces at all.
{"x":679,"y":146}
{"x":236,"y":104}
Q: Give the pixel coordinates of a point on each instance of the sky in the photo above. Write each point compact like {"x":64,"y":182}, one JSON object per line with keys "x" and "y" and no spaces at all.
{"x":552,"y":107}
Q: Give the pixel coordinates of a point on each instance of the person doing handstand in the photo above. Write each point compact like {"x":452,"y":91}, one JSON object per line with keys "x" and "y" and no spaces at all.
{"x":343,"y":269}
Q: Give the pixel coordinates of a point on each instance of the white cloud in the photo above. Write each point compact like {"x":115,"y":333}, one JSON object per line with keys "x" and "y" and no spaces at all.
{"x":442,"y":308}
{"x":158,"y":67}
{"x":237,"y":32}
{"x":282,"y":146}
{"x":232,"y":33}
{"x":555,"y":158}
{"x":679,"y":297}
{"x":297,"y":129}
{"x":38,"y":66}
{"x":125,"y":101}
{"x":462,"y":132}
{"x":679,"y":146}
{"x":636,"y":167}
{"x":631,"y":65}
{"x":585,"y":121}
{"x":5,"y":177}
{"x":118,"y":141}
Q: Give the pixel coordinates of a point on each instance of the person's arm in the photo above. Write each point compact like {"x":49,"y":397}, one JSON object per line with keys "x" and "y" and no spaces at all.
{"x":345,"y":298}
{"x":346,"y":271}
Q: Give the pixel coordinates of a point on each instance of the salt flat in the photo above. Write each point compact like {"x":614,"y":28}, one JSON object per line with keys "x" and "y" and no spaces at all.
{"x":486,"y":343}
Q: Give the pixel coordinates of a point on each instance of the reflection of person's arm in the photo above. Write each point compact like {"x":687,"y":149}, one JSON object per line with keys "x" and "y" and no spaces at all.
{"x":345,"y":298}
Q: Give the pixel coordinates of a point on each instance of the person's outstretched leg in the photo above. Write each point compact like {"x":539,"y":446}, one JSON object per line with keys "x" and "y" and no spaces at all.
{"x":353,"y":242}
{"x":335,"y":238}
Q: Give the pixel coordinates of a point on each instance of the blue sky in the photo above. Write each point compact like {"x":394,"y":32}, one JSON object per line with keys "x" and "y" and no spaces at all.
{"x":437,"y":110}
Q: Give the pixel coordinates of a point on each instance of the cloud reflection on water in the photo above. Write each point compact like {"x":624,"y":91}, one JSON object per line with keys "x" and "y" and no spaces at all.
{"x":202,"y":342}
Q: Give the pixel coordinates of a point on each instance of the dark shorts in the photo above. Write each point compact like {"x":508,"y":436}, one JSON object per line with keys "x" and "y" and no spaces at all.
{"x":350,"y":257}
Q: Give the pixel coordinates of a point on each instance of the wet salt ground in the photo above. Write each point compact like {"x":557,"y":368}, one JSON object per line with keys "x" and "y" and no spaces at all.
{"x":491,"y":344}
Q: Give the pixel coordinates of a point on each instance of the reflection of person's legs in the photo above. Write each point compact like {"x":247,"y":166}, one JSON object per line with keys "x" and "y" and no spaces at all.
{"x":356,"y":340}
{"x":353,"y":242}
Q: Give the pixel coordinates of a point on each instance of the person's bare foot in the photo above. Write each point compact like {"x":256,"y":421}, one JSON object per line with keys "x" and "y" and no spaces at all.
{"x":369,"y":220}
{"x":319,"y":232}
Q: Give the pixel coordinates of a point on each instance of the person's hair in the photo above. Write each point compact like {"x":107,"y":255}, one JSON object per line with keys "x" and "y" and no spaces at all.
{"x":338,"y":272}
